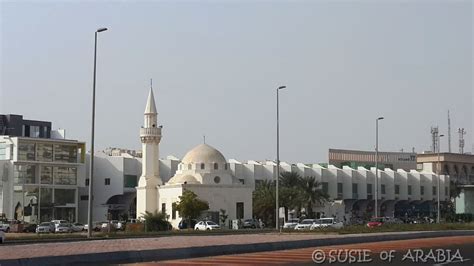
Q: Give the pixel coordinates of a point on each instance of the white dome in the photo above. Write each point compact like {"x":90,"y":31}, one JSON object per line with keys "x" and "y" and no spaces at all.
{"x":181,"y":179}
{"x":204,"y":153}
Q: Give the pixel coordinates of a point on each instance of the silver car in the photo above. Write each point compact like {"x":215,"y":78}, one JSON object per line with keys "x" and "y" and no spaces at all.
{"x":45,"y":228}
{"x":64,"y":228}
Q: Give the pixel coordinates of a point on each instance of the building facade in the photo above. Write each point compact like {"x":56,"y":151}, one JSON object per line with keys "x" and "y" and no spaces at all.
{"x":356,"y":158}
{"x":460,"y":167}
{"x":40,"y":177}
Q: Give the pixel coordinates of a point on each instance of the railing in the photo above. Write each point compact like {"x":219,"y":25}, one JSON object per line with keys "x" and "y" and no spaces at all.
{"x":153,"y":131}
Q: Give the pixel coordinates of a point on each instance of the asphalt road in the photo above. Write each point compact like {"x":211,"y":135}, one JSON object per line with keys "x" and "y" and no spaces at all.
{"x":427,"y":251}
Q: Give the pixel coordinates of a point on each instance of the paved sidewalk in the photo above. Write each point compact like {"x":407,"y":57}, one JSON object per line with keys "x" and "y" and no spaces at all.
{"x":175,"y":247}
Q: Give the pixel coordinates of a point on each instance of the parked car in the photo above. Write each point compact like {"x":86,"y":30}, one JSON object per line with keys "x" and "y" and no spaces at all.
{"x":29,"y":228}
{"x":325,"y":223}
{"x":63,"y":228}
{"x":183,"y":224}
{"x":206,"y":225}
{"x":2,"y":237}
{"x":95,"y":226}
{"x":57,"y":222}
{"x":5,"y":227}
{"x":46,"y":227}
{"x":376,"y":222}
{"x":251,"y":223}
{"x":291,"y":223}
{"x":305,"y":224}
{"x":77,"y":227}
{"x":391,"y":220}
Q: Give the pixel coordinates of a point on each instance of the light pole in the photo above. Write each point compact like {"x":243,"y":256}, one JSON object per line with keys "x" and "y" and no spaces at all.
{"x":377,"y":165}
{"x":277,"y":213}
{"x":91,"y":171}
{"x":438,"y":168}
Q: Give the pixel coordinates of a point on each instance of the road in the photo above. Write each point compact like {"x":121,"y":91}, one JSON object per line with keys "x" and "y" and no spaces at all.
{"x":427,"y":251}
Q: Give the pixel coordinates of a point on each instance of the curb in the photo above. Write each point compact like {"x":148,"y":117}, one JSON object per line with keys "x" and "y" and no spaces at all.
{"x":216,"y":250}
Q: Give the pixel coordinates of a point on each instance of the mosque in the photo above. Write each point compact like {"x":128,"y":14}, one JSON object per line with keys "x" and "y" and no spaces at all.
{"x":203,"y":170}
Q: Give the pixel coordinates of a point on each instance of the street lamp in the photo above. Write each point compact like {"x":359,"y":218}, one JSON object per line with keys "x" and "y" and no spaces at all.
{"x":439,"y":182}
{"x":91,"y":171}
{"x":377,"y":164}
{"x":277,"y":213}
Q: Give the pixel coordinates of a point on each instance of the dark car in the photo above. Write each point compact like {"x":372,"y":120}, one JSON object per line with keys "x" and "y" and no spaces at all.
{"x":251,"y":223}
{"x":184,"y":224}
{"x":29,"y":228}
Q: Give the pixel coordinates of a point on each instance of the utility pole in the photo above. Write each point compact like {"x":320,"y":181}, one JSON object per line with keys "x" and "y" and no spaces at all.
{"x":461,"y":132}
{"x":449,"y":133}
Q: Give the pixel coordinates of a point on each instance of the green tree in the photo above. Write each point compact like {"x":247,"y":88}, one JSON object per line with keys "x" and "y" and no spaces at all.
{"x":223,"y":216}
{"x":190,"y":206}
{"x":156,"y":221}
{"x":311,"y":193}
{"x":263,"y":201}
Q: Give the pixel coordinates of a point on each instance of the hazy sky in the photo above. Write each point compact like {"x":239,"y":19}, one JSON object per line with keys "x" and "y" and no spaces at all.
{"x":216,"y":64}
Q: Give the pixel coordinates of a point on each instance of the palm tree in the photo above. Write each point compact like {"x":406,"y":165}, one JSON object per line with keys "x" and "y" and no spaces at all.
{"x":264,"y":201}
{"x":311,"y":193}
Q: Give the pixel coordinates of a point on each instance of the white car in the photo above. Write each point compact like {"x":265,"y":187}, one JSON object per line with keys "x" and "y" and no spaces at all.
{"x":63,"y":228}
{"x":206,"y":225}
{"x":291,"y":224}
{"x":77,"y":227}
{"x":305,"y":224}
{"x":57,"y":222}
{"x":4,"y":227}
{"x":46,"y":228}
{"x":325,"y":223}
{"x":2,"y":237}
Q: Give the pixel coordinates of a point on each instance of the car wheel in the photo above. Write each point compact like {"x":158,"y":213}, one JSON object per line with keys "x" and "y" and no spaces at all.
{"x":253,"y":227}
{"x":208,"y":229}
{"x":8,"y":230}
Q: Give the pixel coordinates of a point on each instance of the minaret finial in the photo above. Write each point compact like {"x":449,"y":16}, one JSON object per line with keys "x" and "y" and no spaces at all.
{"x":151,"y":83}
{"x":204,"y":138}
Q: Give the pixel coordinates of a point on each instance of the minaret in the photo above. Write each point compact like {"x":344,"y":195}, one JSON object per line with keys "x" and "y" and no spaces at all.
{"x":150,"y":135}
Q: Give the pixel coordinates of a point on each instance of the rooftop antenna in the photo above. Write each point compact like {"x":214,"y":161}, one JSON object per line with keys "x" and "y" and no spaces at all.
{"x":461,"y":140}
{"x":204,"y":138}
{"x":449,"y":133}
{"x":434,"y":139}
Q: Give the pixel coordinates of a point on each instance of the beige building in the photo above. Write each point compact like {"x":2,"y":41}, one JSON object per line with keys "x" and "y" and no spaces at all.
{"x":356,"y":158}
{"x":460,"y":167}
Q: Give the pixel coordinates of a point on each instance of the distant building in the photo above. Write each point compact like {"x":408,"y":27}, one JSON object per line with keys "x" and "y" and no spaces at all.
{"x":356,"y":158}
{"x":460,"y":167}
{"x":39,"y":175}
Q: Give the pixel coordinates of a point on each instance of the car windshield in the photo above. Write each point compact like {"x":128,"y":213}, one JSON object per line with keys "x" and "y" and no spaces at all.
{"x":293,"y":221}
{"x":45,"y":224}
{"x":307,"y":222}
{"x":211,"y":223}
{"x":326,"y":221}
{"x":64,"y":225}
{"x":248,"y":220}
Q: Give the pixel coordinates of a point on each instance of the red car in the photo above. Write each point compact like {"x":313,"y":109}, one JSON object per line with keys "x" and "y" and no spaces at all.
{"x":376,"y":222}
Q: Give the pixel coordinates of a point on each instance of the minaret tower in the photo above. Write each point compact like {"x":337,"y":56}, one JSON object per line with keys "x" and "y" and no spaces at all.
{"x":150,"y":135}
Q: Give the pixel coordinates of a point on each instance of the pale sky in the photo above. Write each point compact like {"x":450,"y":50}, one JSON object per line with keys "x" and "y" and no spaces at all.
{"x":216,"y":64}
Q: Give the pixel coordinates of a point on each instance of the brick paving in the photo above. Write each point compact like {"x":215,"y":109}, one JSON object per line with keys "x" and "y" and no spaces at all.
{"x":304,"y":255}
{"x":168,"y":242}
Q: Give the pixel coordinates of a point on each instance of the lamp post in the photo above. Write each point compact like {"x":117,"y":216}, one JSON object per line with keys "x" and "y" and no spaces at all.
{"x":91,"y":171}
{"x":277,"y":211}
{"x":377,"y":164}
{"x":438,"y":168}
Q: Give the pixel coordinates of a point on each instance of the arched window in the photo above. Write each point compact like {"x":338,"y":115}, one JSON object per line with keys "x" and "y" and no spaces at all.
{"x":446,"y":169}
{"x":225,"y":166}
{"x":216,"y":166}
{"x":203,"y":166}
{"x":464,"y":170}
{"x":217,"y":180}
{"x":189,"y":166}
{"x":472,"y":170}
{"x":456,"y":170}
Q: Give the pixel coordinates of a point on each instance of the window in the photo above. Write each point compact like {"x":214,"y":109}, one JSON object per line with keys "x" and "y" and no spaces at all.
{"x":203,"y":166}
{"x":239,"y":210}
{"x":397,"y":189}
{"x":65,"y":175}
{"x":189,"y":166}
{"x":173,"y":211}
{"x":85,"y":197}
{"x":382,"y":188}
{"x":34,"y":131}
{"x":409,"y":190}
{"x":130,"y":181}
{"x":325,"y":187}
{"x":46,"y":175}
{"x":107,"y":181}
{"x":3,"y":151}
{"x":355,"y":194}
{"x":163,"y":207}
{"x":46,"y":196}
{"x":422,"y":190}
{"x":216,"y":166}
{"x":369,"y":189}
{"x":24,"y":174}
{"x":225,"y":166}
{"x":339,"y":188}
{"x":26,"y":151}
{"x":242,"y":181}
{"x":64,"y":196}
{"x":87,"y":182}
{"x":217,"y":180}
{"x":434,"y":191}
{"x":446,"y":191}
{"x":44,"y":152}
{"x":65,"y":153}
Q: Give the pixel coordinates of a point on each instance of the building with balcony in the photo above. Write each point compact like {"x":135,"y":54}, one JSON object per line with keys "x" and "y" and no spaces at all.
{"x":40,"y":175}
